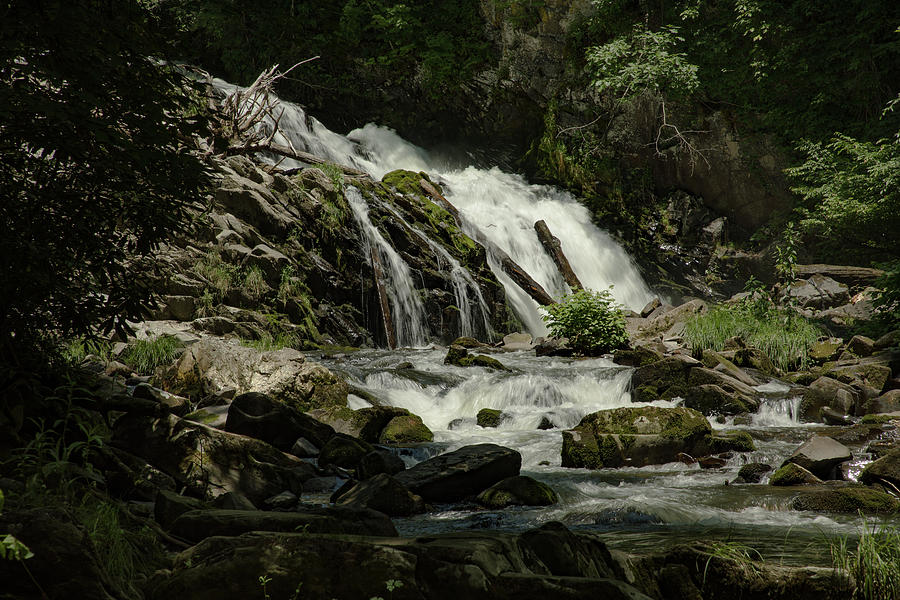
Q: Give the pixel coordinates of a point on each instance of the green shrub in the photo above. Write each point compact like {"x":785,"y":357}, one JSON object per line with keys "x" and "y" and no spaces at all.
{"x":783,"y":335}
{"x":255,"y":283}
{"x":591,"y":320}
{"x":217,"y":273}
{"x":145,"y":355}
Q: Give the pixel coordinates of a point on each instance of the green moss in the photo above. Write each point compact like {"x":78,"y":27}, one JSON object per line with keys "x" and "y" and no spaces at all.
{"x":489,"y":417}
{"x":610,"y":453}
{"x":850,"y":499}
{"x":878,"y":419}
{"x":480,"y":360}
{"x":406,"y":429}
{"x":731,"y":441}
{"x":791,"y":474}
{"x":583,"y":453}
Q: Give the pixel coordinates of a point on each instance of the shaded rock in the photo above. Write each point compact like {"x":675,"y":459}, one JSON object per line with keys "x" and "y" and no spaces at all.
{"x":261,"y":417}
{"x":818,"y":292}
{"x":215,"y":325}
{"x":669,"y":319}
{"x":792,"y":474}
{"x":369,"y":423}
{"x":834,"y":417}
{"x":545,"y":424}
{"x":129,"y":476}
{"x":884,"y":470}
{"x":519,"y":490}
{"x":752,"y":472}
{"x":636,"y":357}
{"x":888,"y":340}
{"x":465,"y":472}
{"x":490,"y":417}
{"x":711,"y":462}
{"x":756,"y":359}
{"x":635,"y":436}
{"x":303,"y":448}
{"x":384,"y":494}
{"x":820,"y":455}
{"x":233,"y":501}
{"x":459,"y":356}
{"x":828,"y":349}
{"x":343,"y":451}
{"x":718,"y":362}
{"x":285,"y":375}
{"x":666,"y":378}
{"x":727,"y":441}
{"x":378,"y":461}
{"x":269,"y":260}
{"x":283,"y":501}
{"x":210,"y":462}
{"x":650,"y":307}
{"x":826,"y":391}
{"x":553,"y":347}
{"x":711,"y":399}
{"x":455,"y":355}
{"x":405,"y":429}
{"x":168,"y":506}
{"x":870,"y":373}
{"x":197,"y":525}
{"x":886,"y":403}
{"x":860,"y":345}
{"x":176,"y":405}
{"x":856,"y":434}
{"x":851,"y":499}
{"x":213,"y":416}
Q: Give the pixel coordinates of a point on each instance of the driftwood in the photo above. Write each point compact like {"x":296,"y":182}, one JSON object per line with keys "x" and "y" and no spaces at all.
{"x":297,"y":155}
{"x":383,"y":299}
{"x":554,"y":249}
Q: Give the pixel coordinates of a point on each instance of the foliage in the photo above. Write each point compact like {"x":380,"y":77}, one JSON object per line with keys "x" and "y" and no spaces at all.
{"x":744,"y":556}
{"x":591,"y":320}
{"x":888,"y":301}
{"x":874,"y":564}
{"x":783,"y":335}
{"x":218,"y":274}
{"x":10,"y":547}
{"x":74,"y":351}
{"x":255,"y":283}
{"x":268,"y":342}
{"x":786,"y":255}
{"x":146,"y":355}
{"x":93,"y":170}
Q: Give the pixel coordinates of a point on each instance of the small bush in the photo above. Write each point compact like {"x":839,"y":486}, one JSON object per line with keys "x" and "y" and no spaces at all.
{"x":217,"y":273}
{"x":783,"y":335}
{"x":145,"y":355}
{"x":591,"y":320}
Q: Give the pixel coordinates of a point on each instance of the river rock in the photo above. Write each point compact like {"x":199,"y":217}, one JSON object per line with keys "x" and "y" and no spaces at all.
{"x":792,"y":474}
{"x":818,"y":292}
{"x":892,"y":338}
{"x":861,"y":345}
{"x":711,"y":399}
{"x":490,"y":417}
{"x":634,"y":436}
{"x":820,"y":455}
{"x":384,"y":494}
{"x":517,"y":491}
{"x":752,"y":472}
{"x":668,"y":320}
{"x":197,"y":525}
{"x":518,"y":341}
{"x":285,"y":375}
{"x":851,"y":499}
{"x":869,"y":371}
{"x":666,"y":378}
{"x":259,"y":416}
{"x":379,"y":460}
{"x":343,"y":451}
{"x":886,"y":403}
{"x":459,"y":356}
{"x":718,"y":362}
{"x":826,"y":391}
{"x":405,"y":429}
{"x":827,"y":349}
{"x":468,"y":342}
{"x":638,"y":356}
{"x":756,"y":359}
{"x":885,"y":469}
{"x":235,"y":501}
{"x":462,"y":473}
{"x":210,"y":462}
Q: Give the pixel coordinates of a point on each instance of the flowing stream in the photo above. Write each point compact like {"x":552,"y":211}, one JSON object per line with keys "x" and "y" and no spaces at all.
{"x":636,"y":509}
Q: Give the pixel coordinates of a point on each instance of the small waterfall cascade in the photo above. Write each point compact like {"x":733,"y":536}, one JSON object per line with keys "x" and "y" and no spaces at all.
{"x":494,"y":205}
{"x":406,"y":306}
{"x":783,"y":412}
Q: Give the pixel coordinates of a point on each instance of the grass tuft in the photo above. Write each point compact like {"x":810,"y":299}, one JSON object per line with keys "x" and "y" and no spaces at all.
{"x":145,"y":355}
{"x":874,"y":565}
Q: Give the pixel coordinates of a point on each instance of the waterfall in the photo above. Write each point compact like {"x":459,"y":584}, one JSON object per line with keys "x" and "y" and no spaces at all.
{"x":501,"y":207}
{"x":406,"y":307}
{"x":783,"y":412}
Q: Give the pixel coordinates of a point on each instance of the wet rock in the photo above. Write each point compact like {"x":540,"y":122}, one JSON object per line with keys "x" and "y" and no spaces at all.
{"x":303,"y":448}
{"x":177,"y":405}
{"x":666,"y":378}
{"x":459,"y":356}
{"x":468,"y":342}
{"x":851,"y":499}
{"x":636,"y":357}
{"x":343,"y":451}
{"x":728,"y":441}
{"x":285,"y":375}
{"x":462,"y":473}
{"x":197,"y":525}
{"x":867,"y":371}
{"x":826,"y":391}
{"x":545,"y":424}
{"x":553,"y":347}
{"x":834,"y":417}
{"x":261,"y":417}
{"x":634,"y":436}
{"x":517,"y":491}
{"x":518,"y":341}
{"x":405,"y":429}
{"x":886,"y":469}
{"x":233,"y":501}
{"x":792,"y":474}
{"x":378,"y":461}
{"x":711,"y":462}
{"x":860,"y":345}
{"x":752,"y":472}
{"x":490,"y":417}
{"x":756,"y":359}
{"x":384,"y":494}
{"x":210,"y":462}
{"x":369,"y":423}
{"x":711,"y":399}
{"x":820,"y":455}
{"x":168,"y":506}
{"x":886,"y":403}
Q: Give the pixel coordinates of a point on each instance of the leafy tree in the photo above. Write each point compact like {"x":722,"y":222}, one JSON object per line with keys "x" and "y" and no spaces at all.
{"x":591,"y":320}
{"x":94,"y":171}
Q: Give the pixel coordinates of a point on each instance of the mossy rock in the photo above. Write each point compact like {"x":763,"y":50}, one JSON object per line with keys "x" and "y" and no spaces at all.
{"x":676,"y":423}
{"x":519,"y":490}
{"x":456,"y":354}
{"x":711,"y":399}
{"x":580,"y":450}
{"x":489,"y":417}
{"x":792,"y":474}
{"x":638,"y":356}
{"x":459,"y":356}
{"x":756,"y":359}
{"x":406,"y":429}
{"x":488,"y":362}
{"x":825,"y":350}
{"x":752,"y":472}
{"x":851,"y":499}
{"x":344,"y":451}
{"x":879,"y":419}
{"x":730,"y":441}
{"x":468,"y":342}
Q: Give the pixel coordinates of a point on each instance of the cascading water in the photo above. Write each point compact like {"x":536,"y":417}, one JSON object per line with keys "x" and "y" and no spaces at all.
{"x":498,"y":206}
{"x":406,"y":306}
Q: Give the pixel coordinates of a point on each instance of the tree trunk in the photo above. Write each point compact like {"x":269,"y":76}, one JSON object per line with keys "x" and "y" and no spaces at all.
{"x":554,"y":249}
{"x":383,"y":299}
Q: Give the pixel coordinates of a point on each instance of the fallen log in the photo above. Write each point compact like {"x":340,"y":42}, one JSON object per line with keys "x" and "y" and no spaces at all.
{"x":553,"y":247}
{"x":297,"y":155}
{"x":378,"y":270}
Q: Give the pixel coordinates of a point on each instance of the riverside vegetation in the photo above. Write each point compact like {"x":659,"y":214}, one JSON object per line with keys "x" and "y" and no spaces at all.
{"x":224,"y":330}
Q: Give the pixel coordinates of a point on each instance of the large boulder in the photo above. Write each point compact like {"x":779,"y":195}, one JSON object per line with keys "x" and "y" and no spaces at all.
{"x":826,"y":391}
{"x":261,"y":417}
{"x":209,"y":462}
{"x":818,"y":292}
{"x":197,"y":525}
{"x":218,"y":366}
{"x":710,"y":399}
{"x":384,"y":494}
{"x":884,"y":470}
{"x":820,"y":456}
{"x":405,"y":429}
{"x":462,"y":473}
{"x":886,"y":403}
{"x":851,"y":499}
{"x":517,"y":491}
{"x":792,"y":474}
{"x":666,"y":378}
{"x":343,"y":451}
{"x":635,"y":436}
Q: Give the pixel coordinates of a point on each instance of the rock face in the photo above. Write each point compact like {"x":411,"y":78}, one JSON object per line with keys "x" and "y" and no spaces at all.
{"x":285,"y":375}
{"x":519,"y":490}
{"x":635,"y":436}
{"x":461,"y":473}
{"x":210,"y":462}
{"x":261,"y":417}
{"x":820,"y":455}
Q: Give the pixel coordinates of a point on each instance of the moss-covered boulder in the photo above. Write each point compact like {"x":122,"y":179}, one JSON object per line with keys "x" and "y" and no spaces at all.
{"x":638,"y":356}
{"x":520,"y":490}
{"x":792,"y":474}
{"x":885,"y":469}
{"x":755,"y":358}
{"x":343,"y":451}
{"x":468,"y":342}
{"x":851,"y":499}
{"x":729,"y":441}
{"x":711,"y":399}
{"x":820,"y":455}
{"x":459,"y":356}
{"x":827,"y":349}
{"x":489,"y":417}
{"x":405,"y":429}
{"x":826,"y":391}
{"x":752,"y":472}
{"x":634,"y":436}
{"x":666,"y":378}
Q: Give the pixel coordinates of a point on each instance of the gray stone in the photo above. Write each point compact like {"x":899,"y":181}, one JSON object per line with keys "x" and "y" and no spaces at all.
{"x":304,"y":448}
{"x":270,"y":261}
{"x":283,"y":501}
{"x":860,"y":345}
{"x":384,"y":494}
{"x":820,"y":455}
{"x":826,"y":391}
{"x":517,"y":491}
{"x":233,"y":501}
{"x":518,"y":341}
{"x":259,"y":416}
{"x":818,"y":292}
{"x":650,"y":307}
{"x":888,"y":402}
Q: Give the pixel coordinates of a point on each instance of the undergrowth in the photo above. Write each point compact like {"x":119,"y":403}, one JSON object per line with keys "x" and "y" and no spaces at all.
{"x":874,"y":564}
{"x":145,"y":355}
